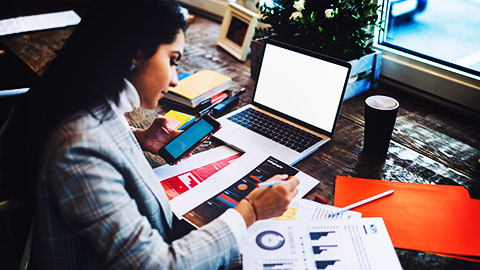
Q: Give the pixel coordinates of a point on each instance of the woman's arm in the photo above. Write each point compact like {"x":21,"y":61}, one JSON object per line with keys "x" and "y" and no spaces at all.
{"x":268,"y":202}
{"x":90,"y":193}
{"x":156,"y":135}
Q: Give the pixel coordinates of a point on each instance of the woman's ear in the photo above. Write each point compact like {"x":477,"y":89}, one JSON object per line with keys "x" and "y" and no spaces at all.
{"x":138,"y":59}
{"x":133,"y":66}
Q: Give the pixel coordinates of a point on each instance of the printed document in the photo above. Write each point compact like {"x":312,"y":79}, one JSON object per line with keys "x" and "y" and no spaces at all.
{"x":307,"y":210}
{"x":356,"y":243}
{"x":224,"y":185}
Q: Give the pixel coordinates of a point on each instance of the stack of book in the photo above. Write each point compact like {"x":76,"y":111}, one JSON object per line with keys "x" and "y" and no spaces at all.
{"x":198,"y":87}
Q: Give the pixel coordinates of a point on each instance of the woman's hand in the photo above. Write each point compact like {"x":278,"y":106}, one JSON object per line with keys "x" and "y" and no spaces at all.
{"x":156,"y":136}
{"x":268,"y":202}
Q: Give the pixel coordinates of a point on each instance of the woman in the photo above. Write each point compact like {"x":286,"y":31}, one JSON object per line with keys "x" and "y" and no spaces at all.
{"x":97,"y":201}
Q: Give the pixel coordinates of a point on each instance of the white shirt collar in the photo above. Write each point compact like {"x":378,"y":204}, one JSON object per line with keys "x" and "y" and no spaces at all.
{"x":128,"y":99}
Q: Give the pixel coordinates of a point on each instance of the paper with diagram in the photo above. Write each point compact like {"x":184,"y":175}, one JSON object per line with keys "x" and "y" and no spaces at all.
{"x":361,"y":243}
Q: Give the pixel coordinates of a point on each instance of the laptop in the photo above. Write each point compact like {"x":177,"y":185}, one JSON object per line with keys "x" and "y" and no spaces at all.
{"x":295,"y":106}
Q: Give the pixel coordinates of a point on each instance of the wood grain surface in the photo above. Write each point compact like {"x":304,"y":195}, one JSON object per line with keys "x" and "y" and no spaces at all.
{"x":429,"y":144}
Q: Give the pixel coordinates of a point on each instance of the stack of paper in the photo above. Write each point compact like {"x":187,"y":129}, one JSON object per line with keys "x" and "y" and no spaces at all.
{"x":220,"y":176}
{"x":306,"y":210}
{"x":306,"y":237}
{"x":432,"y":218}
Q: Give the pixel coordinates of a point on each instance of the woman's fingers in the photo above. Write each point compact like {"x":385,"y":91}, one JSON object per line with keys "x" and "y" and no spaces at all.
{"x":292,"y":183}
{"x":278,"y":177}
{"x":273,"y":201}
{"x":293,"y":194}
{"x":161,"y":122}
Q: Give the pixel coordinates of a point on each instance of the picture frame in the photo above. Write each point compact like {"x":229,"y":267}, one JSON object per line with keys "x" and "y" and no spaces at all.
{"x":236,"y":32}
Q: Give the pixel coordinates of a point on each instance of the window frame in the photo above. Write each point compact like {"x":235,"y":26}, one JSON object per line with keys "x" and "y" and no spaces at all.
{"x":429,"y":79}
{"x":411,"y":73}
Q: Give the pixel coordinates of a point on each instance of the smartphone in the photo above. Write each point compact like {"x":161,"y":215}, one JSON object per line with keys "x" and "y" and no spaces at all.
{"x":189,"y":139}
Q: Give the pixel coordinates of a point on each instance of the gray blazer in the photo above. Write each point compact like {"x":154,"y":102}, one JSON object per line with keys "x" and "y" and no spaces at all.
{"x":99,"y":205}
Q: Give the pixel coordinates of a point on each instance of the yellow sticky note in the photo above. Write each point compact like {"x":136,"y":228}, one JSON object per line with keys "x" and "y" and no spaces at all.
{"x":181,"y":118}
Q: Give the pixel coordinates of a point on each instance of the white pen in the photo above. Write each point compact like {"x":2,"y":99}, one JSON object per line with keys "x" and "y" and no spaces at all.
{"x":346,"y":208}
{"x":268,"y":184}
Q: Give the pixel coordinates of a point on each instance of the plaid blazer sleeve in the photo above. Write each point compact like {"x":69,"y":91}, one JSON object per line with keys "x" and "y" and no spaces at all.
{"x":96,"y":191}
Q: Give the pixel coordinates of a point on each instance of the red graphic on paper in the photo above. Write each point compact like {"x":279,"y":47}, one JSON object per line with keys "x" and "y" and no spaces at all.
{"x":242,"y":187}
{"x":178,"y":184}
{"x":257,"y":178}
{"x":229,"y":200}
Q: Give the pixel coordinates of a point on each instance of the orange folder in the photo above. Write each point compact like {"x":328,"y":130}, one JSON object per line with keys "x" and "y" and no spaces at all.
{"x":432,"y":218}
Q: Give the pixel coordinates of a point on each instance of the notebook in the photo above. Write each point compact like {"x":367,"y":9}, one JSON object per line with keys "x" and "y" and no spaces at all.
{"x":198,"y":87}
{"x":295,"y":106}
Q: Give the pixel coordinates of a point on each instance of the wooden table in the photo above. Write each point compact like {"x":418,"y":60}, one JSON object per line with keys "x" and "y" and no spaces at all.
{"x":430,"y":144}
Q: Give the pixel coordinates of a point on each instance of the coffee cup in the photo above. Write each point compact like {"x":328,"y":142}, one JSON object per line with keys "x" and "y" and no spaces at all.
{"x":380,"y":115}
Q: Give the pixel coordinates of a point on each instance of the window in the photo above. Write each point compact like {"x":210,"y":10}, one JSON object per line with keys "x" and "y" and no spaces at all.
{"x":433,"y":48}
{"x":430,"y":47}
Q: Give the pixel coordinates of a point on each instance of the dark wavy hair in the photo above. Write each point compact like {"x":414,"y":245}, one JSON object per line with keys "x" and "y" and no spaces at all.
{"x":87,"y":71}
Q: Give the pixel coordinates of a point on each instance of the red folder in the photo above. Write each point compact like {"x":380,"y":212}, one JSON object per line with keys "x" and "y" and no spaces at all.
{"x":432,"y":218}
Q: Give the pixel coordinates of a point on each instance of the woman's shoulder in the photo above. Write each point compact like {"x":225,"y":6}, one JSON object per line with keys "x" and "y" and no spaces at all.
{"x":86,"y":126}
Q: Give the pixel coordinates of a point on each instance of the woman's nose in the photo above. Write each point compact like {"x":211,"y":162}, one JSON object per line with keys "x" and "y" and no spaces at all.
{"x":174,"y":79}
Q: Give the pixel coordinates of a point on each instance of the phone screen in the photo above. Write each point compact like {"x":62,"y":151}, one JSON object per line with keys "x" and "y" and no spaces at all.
{"x":188,"y":138}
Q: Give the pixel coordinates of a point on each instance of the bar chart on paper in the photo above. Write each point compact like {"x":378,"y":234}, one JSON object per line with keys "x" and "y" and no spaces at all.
{"x":181,"y":183}
{"x":317,"y":248}
{"x":276,"y":264}
{"x":325,"y":249}
{"x":321,"y":245}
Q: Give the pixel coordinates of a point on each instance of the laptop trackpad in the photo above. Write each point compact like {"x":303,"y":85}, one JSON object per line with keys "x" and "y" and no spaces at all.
{"x":246,"y":139}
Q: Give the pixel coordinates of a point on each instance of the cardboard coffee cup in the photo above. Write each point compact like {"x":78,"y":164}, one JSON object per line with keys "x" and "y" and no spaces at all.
{"x":380,"y":115}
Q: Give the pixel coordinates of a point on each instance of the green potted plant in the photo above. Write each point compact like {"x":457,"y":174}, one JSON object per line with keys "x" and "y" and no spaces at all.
{"x":338,"y":28}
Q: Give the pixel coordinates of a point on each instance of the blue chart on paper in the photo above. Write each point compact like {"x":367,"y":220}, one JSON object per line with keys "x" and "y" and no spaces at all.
{"x":324,"y":264}
{"x":323,"y":248}
{"x":318,"y":235}
{"x":230,"y":197}
{"x":270,"y":240}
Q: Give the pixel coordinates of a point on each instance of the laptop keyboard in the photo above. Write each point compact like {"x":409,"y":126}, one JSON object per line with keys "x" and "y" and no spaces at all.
{"x":281,"y":132}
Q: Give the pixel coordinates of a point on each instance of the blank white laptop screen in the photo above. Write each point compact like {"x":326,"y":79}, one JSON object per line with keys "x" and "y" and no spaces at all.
{"x":303,"y":86}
